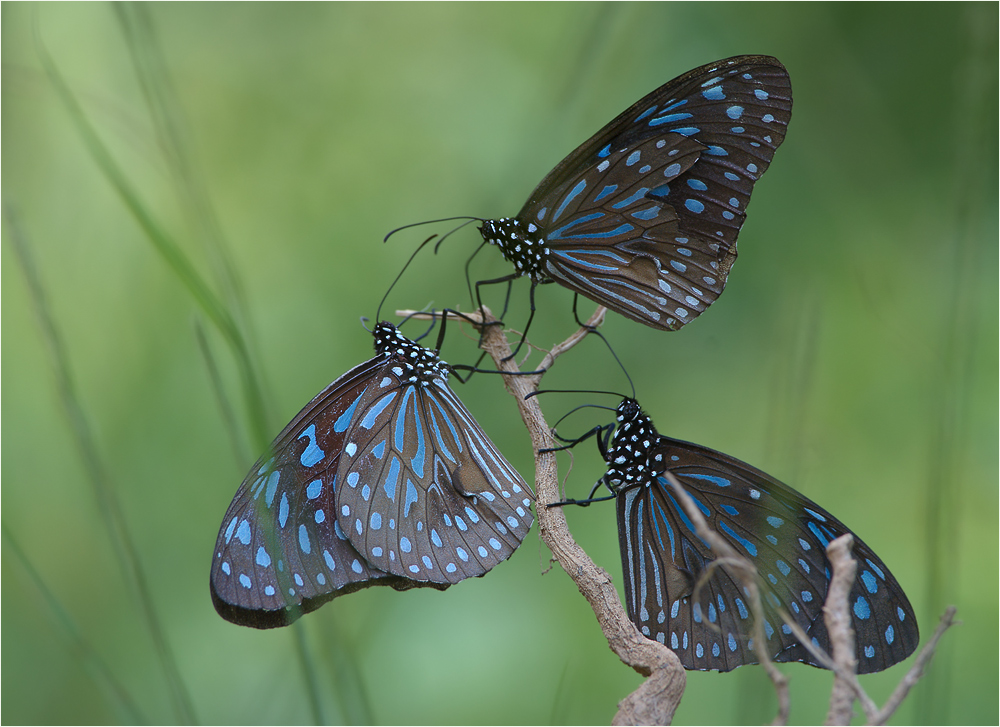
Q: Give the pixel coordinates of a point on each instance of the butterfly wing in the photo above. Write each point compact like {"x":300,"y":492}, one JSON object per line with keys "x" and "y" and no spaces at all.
{"x":643,"y":217}
{"x":423,"y":492}
{"x":280,"y":552}
{"x":782,"y":532}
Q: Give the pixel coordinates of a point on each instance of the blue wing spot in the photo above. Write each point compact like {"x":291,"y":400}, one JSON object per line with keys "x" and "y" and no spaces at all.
{"x":869,"y":651}
{"x":699,"y":652}
{"x":319,"y":517}
{"x":697,"y":184}
{"x":861,"y":608}
{"x":795,"y":607}
{"x":696,"y":613}
{"x":435,"y":538}
{"x":283,"y":509}
{"x":356,"y":566}
{"x":268,"y":590}
{"x":353,"y":478}
{"x":875,"y":568}
{"x":243,"y":532}
{"x":783,"y":567}
{"x":671,"y":171}
{"x":669,"y":119}
{"x":678,"y":266}
{"x":716,"y":151}
{"x":640,"y":194}
{"x":272,"y":487}
{"x":461,"y":524}
{"x":602,"y":153}
{"x":610,"y":189}
{"x":687,"y":130}
{"x":483,"y":552}
{"x":890,"y":635}
{"x":775,"y":522}
{"x":632,"y":158}
{"x":313,"y":489}
{"x":650,"y":213}
{"x":714,"y":94}
{"x":728,"y":215}
{"x":580,"y":186}
{"x":451,"y":568}
{"x":732,"y":177}
{"x":645,"y":113}
{"x":312,"y":454}
{"x":711,"y":613}
{"x":760,"y":93}
{"x":767,"y":118}
{"x":734,"y":112}
{"x":824,"y":541}
{"x":495,"y":544}
{"x":731,"y":642}
{"x":684,"y":251}
{"x":462,"y":554}
{"x":869,"y":580}
{"x":807,"y":596}
{"x":369,"y":421}
{"x":472,"y":514}
{"x":330,"y":563}
{"x":375,"y":521}
{"x":729,"y":510}
{"x":750,"y":547}
{"x":344,"y":420}
{"x":225,"y":568}
{"x":694,"y":205}
{"x":411,"y":497}
{"x":722,"y":604}
{"x":404,"y":544}
{"x":805,"y":544}
{"x":304,"y":540}
{"x":644,"y":169}
{"x":717,"y":481}
{"x":263,"y":559}
{"x":427,"y":562}
{"x":900,"y":613}
{"x":815,"y":514}
{"x":771,"y":539}
{"x":390,"y":480}
{"x":675,"y":609}
{"x":379,"y":449}
{"x":673,"y":641}
{"x":321,"y":579}
{"x":771,"y":577}
{"x":768,"y":629}
{"x":737,"y":129}
{"x":230,"y":529}
{"x":742,"y":608}
{"x":245,"y":580}
{"x":752,"y":168}
{"x":786,"y":629}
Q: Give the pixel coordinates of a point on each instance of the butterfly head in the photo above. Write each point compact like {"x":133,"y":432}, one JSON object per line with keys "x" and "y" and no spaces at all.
{"x":519,"y":243}
{"x":415,"y":363}
{"x":628,"y":456}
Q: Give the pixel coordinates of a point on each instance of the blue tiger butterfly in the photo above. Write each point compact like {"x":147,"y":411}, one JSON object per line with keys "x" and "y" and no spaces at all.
{"x":643,"y":217}
{"x":384,"y":478}
{"x":781,"y":531}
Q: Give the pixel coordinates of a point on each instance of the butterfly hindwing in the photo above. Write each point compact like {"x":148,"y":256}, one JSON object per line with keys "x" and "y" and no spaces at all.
{"x":423,"y":491}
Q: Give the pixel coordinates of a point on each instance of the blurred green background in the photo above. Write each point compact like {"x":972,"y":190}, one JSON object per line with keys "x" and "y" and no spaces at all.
{"x":853,"y":355}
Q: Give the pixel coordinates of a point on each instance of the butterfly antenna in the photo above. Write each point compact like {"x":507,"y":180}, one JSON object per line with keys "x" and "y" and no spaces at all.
{"x":378,"y":314}
{"x":607,"y":343}
{"x":432,"y":222}
{"x":454,"y":230}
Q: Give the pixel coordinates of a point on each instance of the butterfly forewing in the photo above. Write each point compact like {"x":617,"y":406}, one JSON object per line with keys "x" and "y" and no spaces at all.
{"x":644,"y":216}
{"x":423,"y":493}
{"x":782,"y":532}
{"x":279,"y":553}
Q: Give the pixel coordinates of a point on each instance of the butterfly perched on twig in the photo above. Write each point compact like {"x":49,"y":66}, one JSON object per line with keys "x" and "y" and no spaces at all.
{"x":643,"y":217}
{"x":384,"y":478}
{"x":780,"y":531}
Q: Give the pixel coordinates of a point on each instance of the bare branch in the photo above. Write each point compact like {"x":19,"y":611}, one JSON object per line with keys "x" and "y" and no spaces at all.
{"x":657,"y":698}
{"x":917,"y":670}
{"x":838,"y":625}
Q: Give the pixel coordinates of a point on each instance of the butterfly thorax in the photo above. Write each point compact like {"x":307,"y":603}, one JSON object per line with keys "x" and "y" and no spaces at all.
{"x":628,"y":456}
{"x":416,"y":363}
{"x":519,"y":244}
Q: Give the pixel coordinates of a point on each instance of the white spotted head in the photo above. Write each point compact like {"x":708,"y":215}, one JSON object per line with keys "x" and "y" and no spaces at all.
{"x":518,"y":244}
{"x":628,"y":455}
{"x":418,"y":363}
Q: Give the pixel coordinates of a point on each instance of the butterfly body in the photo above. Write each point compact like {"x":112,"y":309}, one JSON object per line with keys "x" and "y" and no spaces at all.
{"x":783,"y":533}
{"x":643,"y":217}
{"x":384,"y":478}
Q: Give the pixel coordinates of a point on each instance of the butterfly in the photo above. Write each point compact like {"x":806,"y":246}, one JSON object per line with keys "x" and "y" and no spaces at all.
{"x":783,"y":533}
{"x":643,"y":217}
{"x":384,"y":478}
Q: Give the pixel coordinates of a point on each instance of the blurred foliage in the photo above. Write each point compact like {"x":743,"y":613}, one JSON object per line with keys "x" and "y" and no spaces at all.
{"x":854,"y":354}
